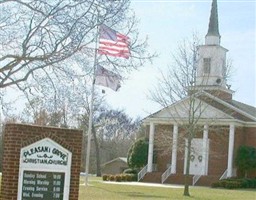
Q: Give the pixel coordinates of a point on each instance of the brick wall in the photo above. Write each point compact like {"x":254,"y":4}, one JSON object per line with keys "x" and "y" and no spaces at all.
{"x":218,"y":148}
{"x":17,"y":136}
{"x":163,"y":146}
{"x":250,"y":138}
{"x":218,"y":154}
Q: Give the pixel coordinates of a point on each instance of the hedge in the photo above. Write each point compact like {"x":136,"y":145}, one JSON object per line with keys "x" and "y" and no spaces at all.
{"x":233,"y":183}
{"x":119,"y":177}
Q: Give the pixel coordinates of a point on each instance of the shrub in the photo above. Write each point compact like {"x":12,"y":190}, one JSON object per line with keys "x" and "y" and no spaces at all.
{"x":111,"y":178}
{"x":128,"y":177}
{"x":118,"y":178}
{"x":246,"y":159}
{"x":233,"y":183}
{"x":105,"y":177}
{"x":248,"y":183}
{"x":138,"y":154}
{"x":134,"y":177}
{"x":123,"y":177}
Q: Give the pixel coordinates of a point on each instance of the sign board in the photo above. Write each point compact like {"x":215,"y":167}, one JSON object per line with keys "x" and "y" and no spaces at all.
{"x":44,"y":171}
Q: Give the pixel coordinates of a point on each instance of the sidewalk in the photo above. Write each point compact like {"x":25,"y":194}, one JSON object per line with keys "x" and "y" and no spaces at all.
{"x":145,"y":184}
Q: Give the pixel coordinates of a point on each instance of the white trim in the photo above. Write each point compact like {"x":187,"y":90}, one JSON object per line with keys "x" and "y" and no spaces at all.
{"x":176,"y":113}
{"x":223,"y":122}
{"x":230,"y":106}
{"x":201,"y":88}
{"x":174,"y":148}
{"x":151,"y":147}
{"x":220,"y":121}
{"x":40,"y":167}
{"x":231,"y":150}
{"x":205,"y":149}
{"x":167,"y":107}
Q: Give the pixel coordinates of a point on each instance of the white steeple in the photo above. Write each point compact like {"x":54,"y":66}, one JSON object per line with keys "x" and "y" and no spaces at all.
{"x":212,"y":57}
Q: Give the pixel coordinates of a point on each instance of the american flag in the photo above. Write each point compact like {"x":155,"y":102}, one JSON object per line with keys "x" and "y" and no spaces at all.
{"x":113,"y":43}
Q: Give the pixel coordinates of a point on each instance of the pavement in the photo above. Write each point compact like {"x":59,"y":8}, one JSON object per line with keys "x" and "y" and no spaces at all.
{"x":133,"y":183}
{"x":145,"y":184}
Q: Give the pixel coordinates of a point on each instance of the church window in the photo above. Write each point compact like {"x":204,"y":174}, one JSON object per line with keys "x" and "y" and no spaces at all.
{"x":207,"y":65}
{"x":224,"y":70}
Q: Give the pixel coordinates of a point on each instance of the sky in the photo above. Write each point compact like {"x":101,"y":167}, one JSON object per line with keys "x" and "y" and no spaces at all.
{"x":166,"y":24}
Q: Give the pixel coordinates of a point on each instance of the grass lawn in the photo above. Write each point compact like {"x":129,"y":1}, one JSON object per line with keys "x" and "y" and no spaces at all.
{"x":99,"y":190}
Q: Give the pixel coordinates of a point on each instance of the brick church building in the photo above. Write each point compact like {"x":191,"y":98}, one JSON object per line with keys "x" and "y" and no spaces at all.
{"x":223,"y":124}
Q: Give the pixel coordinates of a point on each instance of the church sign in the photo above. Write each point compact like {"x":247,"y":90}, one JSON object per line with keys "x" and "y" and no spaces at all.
{"x":44,"y":171}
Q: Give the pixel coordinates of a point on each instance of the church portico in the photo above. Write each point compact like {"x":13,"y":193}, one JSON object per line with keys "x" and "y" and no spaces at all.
{"x":212,"y":154}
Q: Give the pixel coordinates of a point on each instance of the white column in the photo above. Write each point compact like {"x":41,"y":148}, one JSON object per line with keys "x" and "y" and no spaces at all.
{"x":231,"y":149}
{"x":174,"y":148}
{"x":205,"y":149}
{"x":151,"y":146}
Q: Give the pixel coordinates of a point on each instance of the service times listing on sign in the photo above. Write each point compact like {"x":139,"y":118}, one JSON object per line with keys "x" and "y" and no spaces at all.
{"x":42,"y":185}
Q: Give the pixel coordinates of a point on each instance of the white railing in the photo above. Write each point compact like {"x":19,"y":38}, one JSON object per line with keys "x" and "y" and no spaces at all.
{"x":224,"y":175}
{"x":142,"y":172}
{"x":166,"y":174}
{"x":197,"y":177}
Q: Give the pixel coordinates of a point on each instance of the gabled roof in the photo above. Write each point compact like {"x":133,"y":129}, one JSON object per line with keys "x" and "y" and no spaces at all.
{"x":212,"y":108}
{"x":123,"y":159}
{"x":246,"y":108}
{"x":234,"y":108}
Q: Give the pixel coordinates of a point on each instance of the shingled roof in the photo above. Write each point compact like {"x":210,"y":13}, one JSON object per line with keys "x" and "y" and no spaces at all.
{"x":233,"y":108}
{"x":244,"y":107}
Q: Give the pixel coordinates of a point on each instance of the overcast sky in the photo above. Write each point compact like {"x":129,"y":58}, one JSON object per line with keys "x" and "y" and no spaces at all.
{"x":167,"y":23}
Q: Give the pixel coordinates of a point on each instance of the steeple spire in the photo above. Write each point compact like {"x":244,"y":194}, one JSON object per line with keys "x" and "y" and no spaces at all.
{"x":213,"y":24}
{"x":213,"y":35}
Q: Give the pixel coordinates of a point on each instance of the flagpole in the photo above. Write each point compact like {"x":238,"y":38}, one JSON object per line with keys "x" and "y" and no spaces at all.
{"x":87,"y":161}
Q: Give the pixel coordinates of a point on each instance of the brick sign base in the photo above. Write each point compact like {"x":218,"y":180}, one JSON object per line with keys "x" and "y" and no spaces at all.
{"x":18,"y":136}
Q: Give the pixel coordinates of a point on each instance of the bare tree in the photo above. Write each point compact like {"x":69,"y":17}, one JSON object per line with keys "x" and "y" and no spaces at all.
{"x":116,"y":131}
{"x":113,"y":132}
{"x":38,"y":36}
{"x":178,"y":88}
{"x":47,"y":49}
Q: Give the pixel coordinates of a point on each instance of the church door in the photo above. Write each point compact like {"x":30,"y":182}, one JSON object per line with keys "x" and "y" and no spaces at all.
{"x":197,"y":164}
